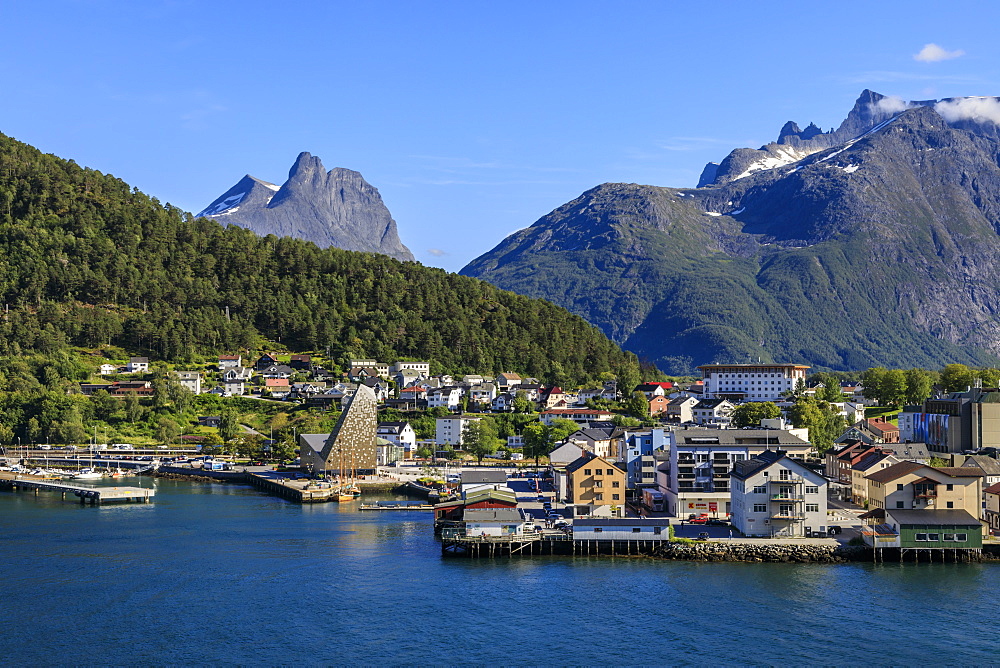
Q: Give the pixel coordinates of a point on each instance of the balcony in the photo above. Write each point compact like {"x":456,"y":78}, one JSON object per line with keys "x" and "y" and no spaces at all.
{"x":788,"y":497}
{"x":787,"y":481}
{"x":794,"y":516}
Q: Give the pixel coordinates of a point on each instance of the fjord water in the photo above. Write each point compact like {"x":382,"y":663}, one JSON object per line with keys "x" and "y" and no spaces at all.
{"x":222,"y":574}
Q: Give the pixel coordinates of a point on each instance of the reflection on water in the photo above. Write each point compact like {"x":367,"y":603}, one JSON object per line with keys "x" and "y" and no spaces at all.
{"x":218,"y":573}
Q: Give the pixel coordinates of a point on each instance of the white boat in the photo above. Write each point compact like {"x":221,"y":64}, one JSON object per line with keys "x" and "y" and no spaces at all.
{"x":88,"y":474}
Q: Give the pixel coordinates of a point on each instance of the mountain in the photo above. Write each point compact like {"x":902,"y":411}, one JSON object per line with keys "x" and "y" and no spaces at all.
{"x":336,"y":208}
{"x":872,"y":244}
{"x":90,"y":262}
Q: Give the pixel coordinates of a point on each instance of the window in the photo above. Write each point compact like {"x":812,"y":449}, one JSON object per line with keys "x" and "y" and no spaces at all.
{"x":812,"y":489}
{"x":961,"y":537}
{"x":616,"y":497}
{"x":934,"y":537}
{"x":636,"y":530}
{"x":760,"y":507}
{"x":586,"y":471}
{"x":598,"y":471}
{"x":615,"y":483}
{"x":899,"y":504}
{"x":950,"y":488}
{"x":598,"y":529}
{"x":598,"y":483}
{"x":812,"y":507}
{"x":598,"y":497}
{"x":951,"y":504}
{"x":949,"y":536}
{"x":760,"y":489}
{"x":899,"y":487}
{"x":920,"y":537}
{"x":611,"y":471}
{"x":657,"y":530}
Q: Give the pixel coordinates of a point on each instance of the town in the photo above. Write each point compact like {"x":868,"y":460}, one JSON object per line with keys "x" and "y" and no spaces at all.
{"x":522,"y":466}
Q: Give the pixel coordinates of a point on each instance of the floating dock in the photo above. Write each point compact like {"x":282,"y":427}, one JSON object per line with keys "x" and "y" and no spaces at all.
{"x":396,"y":506}
{"x":95,"y":495}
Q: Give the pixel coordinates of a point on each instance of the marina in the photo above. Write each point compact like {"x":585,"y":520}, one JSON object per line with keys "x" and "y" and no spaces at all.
{"x":93,"y":495}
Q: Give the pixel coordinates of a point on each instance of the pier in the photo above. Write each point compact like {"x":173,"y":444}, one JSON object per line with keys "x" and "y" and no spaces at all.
{"x":95,"y":495}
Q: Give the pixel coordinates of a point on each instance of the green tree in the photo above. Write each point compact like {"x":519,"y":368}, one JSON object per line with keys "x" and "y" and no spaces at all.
{"x":637,"y":405}
{"x":918,"y":386}
{"x":229,"y":425}
{"x":536,"y":441}
{"x":990,"y":377}
{"x":956,"y":377}
{"x":521,"y":402}
{"x":938,"y":462}
{"x":560,"y":429}
{"x":105,"y":405}
{"x":893,"y":387}
{"x":872,"y":381}
{"x":479,"y":438}
{"x":751,"y":413}
{"x":823,"y":420}
{"x":167,"y":430}
{"x":134,"y":411}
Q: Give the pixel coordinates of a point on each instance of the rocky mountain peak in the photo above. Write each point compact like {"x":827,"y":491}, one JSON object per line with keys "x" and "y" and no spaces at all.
{"x":336,"y":208}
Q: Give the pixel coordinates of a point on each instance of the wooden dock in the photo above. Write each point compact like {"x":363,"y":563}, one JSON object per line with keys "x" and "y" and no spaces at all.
{"x":95,"y":495}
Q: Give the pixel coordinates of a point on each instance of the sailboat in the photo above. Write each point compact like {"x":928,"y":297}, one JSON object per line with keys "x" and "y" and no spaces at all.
{"x":90,"y":473}
{"x":346,"y":491}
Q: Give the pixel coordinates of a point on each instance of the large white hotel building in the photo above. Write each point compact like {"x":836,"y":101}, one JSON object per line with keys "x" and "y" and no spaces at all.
{"x":750,"y":382}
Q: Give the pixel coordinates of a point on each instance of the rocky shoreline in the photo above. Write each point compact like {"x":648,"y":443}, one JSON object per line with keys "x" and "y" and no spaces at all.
{"x":816,"y":554}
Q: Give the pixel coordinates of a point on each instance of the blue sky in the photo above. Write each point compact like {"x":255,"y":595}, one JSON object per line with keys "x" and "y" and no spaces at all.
{"x":473,"y":119}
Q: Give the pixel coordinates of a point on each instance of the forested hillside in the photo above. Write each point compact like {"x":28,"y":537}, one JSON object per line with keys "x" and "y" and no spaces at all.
{"x":89,"y":261}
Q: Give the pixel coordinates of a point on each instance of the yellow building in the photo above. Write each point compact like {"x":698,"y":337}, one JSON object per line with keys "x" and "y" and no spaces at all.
{"x":596,"y":486}
{"x":912,"y":486}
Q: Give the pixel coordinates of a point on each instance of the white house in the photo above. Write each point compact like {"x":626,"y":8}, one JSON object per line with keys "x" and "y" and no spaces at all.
{"x":399,"y":433}
{"x":773,"y":495}
{"x":620,"y":529}
{"x":494,"y":521}
{"x":229,"y":361}
{"x":420,"y":368}
{"x":712,"y":411}
{"x":450,"y":429}
{"x":107,"y":369}
{"x":137,"y":365}
{"x":448,"y":397}
{"x":189,"y":380}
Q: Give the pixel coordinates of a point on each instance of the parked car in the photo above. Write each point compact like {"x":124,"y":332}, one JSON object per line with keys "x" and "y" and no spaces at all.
{"x":717,"y":522}
{"x":554,"y":516}
{"x":702,"y":536}
{"x":561,"y":524}
{"x":833,"y":530}
{"x":698,"y":519}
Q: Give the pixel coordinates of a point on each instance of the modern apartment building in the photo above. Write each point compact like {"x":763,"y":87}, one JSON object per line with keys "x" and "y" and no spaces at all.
{"x":695,"y":479}
{"x":750,"y":382}
{"x":773,"y":495}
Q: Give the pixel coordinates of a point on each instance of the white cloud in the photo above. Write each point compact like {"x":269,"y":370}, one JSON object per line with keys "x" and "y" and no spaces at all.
{"x":977,"y":109}
{"x":932,"y":53}
{"x":436,"y":252}
{"x":892,"y":104}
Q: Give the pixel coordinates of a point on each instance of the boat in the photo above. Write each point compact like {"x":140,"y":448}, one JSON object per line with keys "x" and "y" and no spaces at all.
{"x":116,"y":473}
{"x":88,"y":474}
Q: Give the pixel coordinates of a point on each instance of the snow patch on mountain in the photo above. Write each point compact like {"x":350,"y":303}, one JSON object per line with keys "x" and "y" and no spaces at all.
{"x":785,"y":156}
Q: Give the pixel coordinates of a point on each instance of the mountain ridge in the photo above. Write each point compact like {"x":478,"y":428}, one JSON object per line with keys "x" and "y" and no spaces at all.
{"x":336,"y":208}
{"x":873,"y":251}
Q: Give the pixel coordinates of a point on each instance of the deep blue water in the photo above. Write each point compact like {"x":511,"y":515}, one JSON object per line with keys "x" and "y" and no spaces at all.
{"x":220,"y":574}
